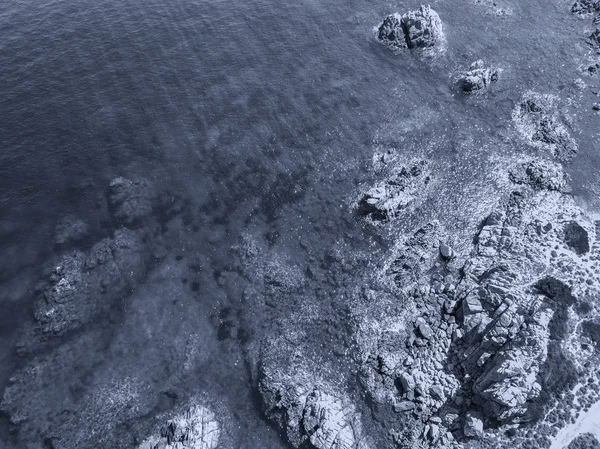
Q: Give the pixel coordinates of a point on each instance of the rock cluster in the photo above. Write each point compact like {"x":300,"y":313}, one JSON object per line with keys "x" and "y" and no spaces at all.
{"x":540,"y":174}
{"x":539,"y":121}
{"x":477,"y":78}
{"x":584,"y":441}
{"x":386,"y":199}
{"x":309,"y":410}
{"x":196,"y":428}
{"x":585,"y":6}
{"x":418,"y":29}
{"x":477,"y":338}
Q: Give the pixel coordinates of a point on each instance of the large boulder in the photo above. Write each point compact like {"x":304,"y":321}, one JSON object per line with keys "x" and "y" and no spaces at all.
{"x":418,"y":29}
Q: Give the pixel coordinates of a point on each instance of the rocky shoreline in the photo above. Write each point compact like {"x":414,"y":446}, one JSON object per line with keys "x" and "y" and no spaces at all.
{"x":485,"y":338}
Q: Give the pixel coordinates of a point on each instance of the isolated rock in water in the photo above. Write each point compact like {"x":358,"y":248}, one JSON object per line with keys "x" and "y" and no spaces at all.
{"x":70,"y":230}
{"x":422,"y":28}
{"x":477,"y":78}
{"x":585,"y":6}
{"x":85,"y":283}
{"x":584,"y":441}
{"x":540,"y":174}
{"x":131,"y":199}
{"x":415,"y":29}
{"x":197,"y":428}
{"x":540,"y":123}
{"x":391,"y":33}
{"x":388,"y":198}
{"x":576,"y":237}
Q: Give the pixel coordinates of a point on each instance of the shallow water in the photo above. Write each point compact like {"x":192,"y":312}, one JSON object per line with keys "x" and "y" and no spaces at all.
{"x":250,"y":109}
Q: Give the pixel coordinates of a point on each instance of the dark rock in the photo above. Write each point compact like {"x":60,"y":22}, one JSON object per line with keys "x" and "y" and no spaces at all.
{"x":576,"y":237}
{"x":391,"y":32}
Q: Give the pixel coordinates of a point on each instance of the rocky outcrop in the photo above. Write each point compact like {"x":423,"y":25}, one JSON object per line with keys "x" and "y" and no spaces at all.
{"x":83,"y":284}
{"x":309,"y":410}
{"x":541,"y":175}
{"x":387,"y":199}
{"x":542,"y":125}
{"x":196,"y":428}
{"x":477,"y":78}
{"x":420,"y":29}
{"x":131,"y":200}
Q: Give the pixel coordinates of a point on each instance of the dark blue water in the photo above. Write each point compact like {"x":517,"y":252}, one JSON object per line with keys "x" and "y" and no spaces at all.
{"x":233,"y":106}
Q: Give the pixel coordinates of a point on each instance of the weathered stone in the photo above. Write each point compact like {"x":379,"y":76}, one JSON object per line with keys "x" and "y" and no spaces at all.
{"x":473,"y":425}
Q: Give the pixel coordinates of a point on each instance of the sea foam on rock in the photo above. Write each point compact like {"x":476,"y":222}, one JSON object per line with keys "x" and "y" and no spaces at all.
{"x":541,"y":123}
{"x":420,"y":29}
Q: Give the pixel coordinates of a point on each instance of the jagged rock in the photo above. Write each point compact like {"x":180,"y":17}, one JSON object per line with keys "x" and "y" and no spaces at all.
{"x":422,"y":28}
{"x":197,"y":428}
{"x":391,"y":32}
{"x":131,"y":200}
{"x":538,"y":119}
{"x":541,"y":175}
{"x":477,"y":78}
{"x":70,"y":230}
{"x":310,"y":411}
{"x":85,"y":283}
{"x":388,"y":198}
{"x":416,"y":29}
{"x":510,"y":378}
{"x":473,"y":425}
{"x":585,"y":6}
{"x":584,"y":441}
{"x":576,"y":237}
{"x":472,"y":305}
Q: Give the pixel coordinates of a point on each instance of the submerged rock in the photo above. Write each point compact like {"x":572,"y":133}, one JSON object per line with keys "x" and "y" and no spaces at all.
{"x":83,"y":284}
{"x":131,"y":200}
{"x":585,"y":6}
{"x":477,"y":78}
{"x":70,"y":230}
{"x":418,"y":29}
